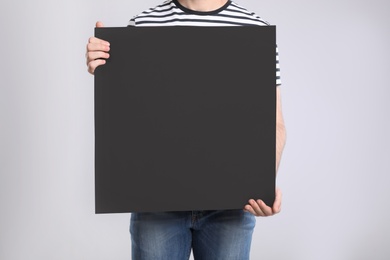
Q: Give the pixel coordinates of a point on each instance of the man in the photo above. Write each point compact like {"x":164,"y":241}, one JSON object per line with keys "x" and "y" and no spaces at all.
{"x":211,"y":235}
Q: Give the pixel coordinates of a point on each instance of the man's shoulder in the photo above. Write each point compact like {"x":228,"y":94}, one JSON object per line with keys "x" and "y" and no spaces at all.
{"x":234,"y":7}
{"x":165,"y":6}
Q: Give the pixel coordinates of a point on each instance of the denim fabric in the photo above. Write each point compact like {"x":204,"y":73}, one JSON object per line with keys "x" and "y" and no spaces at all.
{"x":212,"y":235}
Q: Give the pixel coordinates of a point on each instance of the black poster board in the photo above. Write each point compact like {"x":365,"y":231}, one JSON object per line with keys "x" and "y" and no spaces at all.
{"x":185,"y":118}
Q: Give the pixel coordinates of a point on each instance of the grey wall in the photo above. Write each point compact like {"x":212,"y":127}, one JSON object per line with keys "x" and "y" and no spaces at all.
{"x":334,"y":174}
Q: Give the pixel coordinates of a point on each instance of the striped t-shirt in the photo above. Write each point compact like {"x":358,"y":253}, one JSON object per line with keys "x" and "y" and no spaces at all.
{"x":172,"y":13}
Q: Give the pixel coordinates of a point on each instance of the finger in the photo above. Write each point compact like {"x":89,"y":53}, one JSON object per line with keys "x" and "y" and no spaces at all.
{"x":94,"y":55}
{"x":99,"y":24}
{"x":94,"y":64}
{"x":250,"y":210}
{"x":98,"y":40}
{"x":256,"y":208}
{"x":94,"y":42}
{"x":264,"y":208}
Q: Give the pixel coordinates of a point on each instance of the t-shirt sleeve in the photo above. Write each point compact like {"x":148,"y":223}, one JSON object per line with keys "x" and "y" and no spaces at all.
{"x":131,"y":22}
{"x":278,"y":78}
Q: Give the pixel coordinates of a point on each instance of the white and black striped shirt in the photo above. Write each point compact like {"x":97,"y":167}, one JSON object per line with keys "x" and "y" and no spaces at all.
{"x":172,"y":13}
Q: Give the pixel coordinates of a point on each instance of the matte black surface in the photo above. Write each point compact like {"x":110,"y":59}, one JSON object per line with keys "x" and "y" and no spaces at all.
{"x":185,"y":118}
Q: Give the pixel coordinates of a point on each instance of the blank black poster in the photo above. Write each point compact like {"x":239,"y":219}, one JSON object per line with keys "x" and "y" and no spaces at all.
{"x":185,"y":118}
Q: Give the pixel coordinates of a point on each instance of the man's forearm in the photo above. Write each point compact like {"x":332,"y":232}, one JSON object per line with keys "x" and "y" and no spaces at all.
{"x":280,"y":142}
{"x":280,"y":129}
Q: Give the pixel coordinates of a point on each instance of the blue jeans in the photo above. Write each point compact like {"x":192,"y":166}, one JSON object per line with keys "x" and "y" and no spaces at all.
{"x":214,"y":235}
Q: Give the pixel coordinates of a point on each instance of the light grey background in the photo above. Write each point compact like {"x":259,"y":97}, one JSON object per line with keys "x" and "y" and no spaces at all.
{"x":335,"y":171}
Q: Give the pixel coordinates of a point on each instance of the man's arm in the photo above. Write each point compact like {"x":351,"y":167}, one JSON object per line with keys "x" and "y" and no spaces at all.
{"x":259,"y":208}
{"x":280,"y":129}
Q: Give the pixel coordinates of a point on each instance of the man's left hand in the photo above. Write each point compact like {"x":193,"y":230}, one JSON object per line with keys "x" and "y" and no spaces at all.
{"x":260,"y":209}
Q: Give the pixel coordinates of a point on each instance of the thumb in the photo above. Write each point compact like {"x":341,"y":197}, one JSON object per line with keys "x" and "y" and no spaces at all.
{"x":99,"y":24}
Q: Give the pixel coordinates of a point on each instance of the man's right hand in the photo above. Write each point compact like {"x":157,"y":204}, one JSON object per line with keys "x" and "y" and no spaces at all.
{"x":97,"y":52}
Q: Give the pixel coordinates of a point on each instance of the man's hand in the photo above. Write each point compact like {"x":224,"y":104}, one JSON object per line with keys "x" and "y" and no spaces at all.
{"x":97,"y":52}
{"x":260,"y":209}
